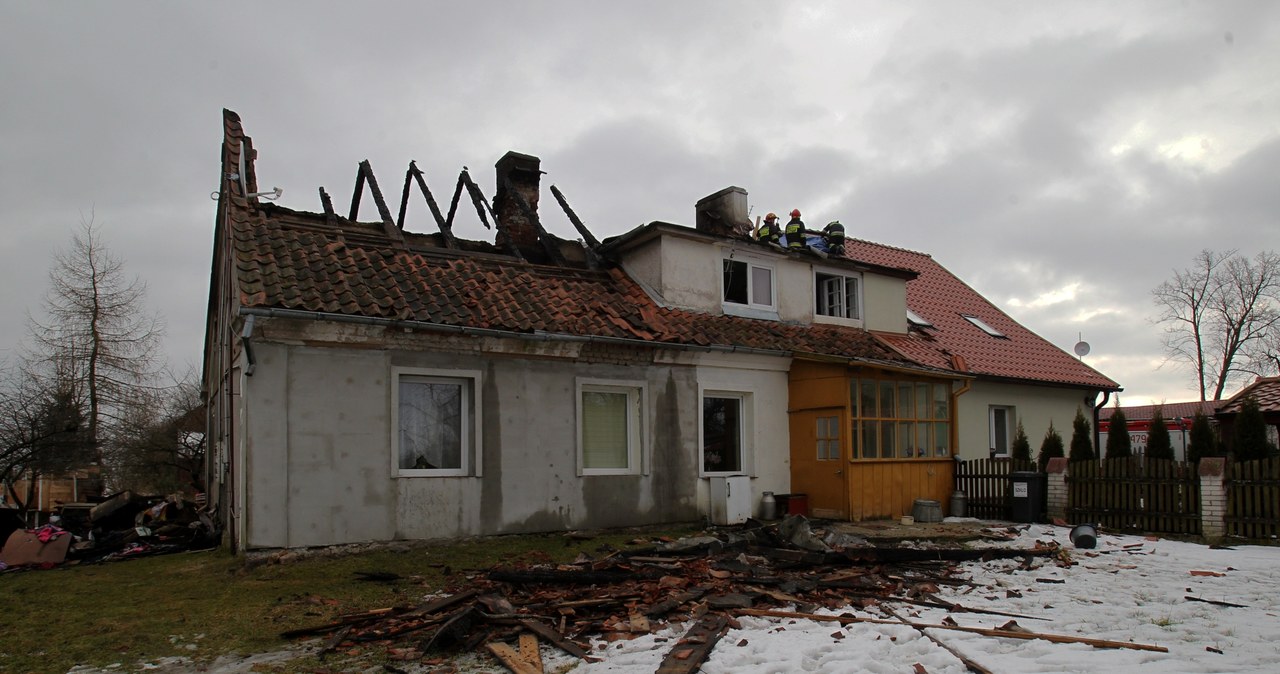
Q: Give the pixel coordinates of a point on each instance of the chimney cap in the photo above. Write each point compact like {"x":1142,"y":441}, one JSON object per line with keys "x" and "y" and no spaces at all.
{"x":518,"y":161}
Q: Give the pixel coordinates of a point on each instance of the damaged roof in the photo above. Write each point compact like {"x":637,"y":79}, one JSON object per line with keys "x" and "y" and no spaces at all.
{"x":323,"y":263}
{"x":953,"y":341}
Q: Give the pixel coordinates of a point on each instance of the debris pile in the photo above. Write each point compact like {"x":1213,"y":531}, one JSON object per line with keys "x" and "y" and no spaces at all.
{"x":704,"y":581}
{"x":124,"y":525}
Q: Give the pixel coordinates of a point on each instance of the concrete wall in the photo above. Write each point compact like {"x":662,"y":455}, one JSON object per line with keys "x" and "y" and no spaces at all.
{"x":317,"y":434}
{"x":1035,"y":406}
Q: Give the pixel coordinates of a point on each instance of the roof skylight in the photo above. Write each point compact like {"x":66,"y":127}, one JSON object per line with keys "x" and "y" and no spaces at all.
{"x":917,"y":320}
{"x":982,"y":325}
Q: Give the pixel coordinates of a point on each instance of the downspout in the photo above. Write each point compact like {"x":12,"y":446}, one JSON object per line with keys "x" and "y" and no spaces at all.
{"x":1097,"y":430}
{"x":955,"y":417}
{"x":246,"y":338}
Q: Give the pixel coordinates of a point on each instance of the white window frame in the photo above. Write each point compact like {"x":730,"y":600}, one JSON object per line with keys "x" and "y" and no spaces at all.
{"x":1010,"y":421}
{"x":746,"y":434}
{"x":752,"y":264}
{"x":472,"y":439}
{"x":819,"y":293}
{"x":637,"y":393}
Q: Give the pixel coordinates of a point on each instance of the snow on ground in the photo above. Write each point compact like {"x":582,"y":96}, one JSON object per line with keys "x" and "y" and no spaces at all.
{"x":1129,"y":589}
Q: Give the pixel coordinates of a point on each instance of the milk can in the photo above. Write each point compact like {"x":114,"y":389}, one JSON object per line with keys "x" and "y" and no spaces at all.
{"x":768,"y":506}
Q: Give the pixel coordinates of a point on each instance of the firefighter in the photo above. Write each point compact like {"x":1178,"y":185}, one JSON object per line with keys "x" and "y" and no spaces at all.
{"x":833,"y":233}
{"x":770,"y":232}
{"x":795,"y":230}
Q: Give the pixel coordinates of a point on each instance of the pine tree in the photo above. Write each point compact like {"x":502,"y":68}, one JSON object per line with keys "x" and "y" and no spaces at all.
{"x":1118,"y":443}
{"x":1249,"y":441}
{"x":1203,"y":442}
{"x":1051,"y":447}
{"x":1021,"y":448}
{"x":1081,"y":442}
{"x":1159,"y":446}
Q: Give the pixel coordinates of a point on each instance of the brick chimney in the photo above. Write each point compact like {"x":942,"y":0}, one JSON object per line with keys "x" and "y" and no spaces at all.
{"x":723,"y":213}
{"x":523,"y":173}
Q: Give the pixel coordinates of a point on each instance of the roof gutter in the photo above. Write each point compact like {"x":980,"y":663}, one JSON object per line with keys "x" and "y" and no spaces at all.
{"x":246,"y":338}
{"x":537,"y":336}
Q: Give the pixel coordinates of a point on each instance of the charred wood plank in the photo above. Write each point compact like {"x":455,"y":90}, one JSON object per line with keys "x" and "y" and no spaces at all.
{"x":342,"y":621}
{"x":442,"y":603}
{"x":1009,"y":634}
{"x":555,"y":577}
{"x":592,"y":242}
{"x":957,"y":608}
{"x":1215,"y":603}
{"x":969,"y":664}
{"x":526,"y":660}
{"x":555,"y":637}
{"x":687,"y":656}
{"x":899,"y":555}
{"x":446,"y":227}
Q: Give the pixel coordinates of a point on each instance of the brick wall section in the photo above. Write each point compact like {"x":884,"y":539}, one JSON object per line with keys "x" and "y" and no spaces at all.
{"x":1056,"y":488}
{"x":1213,"y":497}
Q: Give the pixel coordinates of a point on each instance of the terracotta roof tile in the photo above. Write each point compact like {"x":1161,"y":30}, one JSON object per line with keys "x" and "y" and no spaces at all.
{"x":1265,"y":390}
{"x":941,"y":298}
{"x":291,"y":260}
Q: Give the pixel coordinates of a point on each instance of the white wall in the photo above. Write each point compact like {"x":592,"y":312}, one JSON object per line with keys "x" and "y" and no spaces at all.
{"x":1036,"y":406}
{"x":765,"y":380}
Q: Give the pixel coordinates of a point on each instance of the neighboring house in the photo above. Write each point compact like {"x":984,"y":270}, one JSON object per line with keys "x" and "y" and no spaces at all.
{"x":42,"y":497}
{"x":1018,"y":374}
{"x":1265,"y":390}
{"x":1177,"y":419}
{"x":365,"y":382}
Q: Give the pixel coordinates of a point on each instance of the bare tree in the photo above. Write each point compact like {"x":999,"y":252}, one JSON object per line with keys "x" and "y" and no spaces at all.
{"x":98,"y":331}
{"x":1220,"y":315}
{"x":161,"y":440}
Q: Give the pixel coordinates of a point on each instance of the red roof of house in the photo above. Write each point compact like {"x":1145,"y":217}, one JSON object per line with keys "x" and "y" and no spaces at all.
{"x":943,"y":300}
{"x":292,"y":260}
{"x":1265,"y":390}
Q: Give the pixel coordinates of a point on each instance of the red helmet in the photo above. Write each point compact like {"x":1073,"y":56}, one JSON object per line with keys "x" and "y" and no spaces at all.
{"x":795,"y":212}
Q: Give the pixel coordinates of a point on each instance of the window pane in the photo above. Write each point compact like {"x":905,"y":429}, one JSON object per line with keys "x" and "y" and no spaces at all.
{"x":922,"y":400}
{"x":922,"y":440}
{"x":941,"y":438}
{"x":886,"y":399}
{"x":941,"y":402}
{"x":999,"y":430}
{"x":721,"y":434}
{"x":431,"y":424}
{"x":886,"y":439}
{"x":735,"y":281}
{"x":851,"y":297}
{"x":868,"y":395}
{"x":904,"y":400}
{"x":870,"y":440}
{"x":604,"y":430}
{"x":762,"y":286}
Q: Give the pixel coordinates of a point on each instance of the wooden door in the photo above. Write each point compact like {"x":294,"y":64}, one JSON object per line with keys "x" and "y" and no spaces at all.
{"x":819,"y":459}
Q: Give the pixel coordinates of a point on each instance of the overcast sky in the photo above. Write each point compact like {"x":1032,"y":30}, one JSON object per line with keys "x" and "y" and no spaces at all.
{"x":1062,"y":158}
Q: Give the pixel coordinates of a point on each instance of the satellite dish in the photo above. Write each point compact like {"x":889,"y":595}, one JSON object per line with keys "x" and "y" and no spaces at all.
{"x":1082,"y":348}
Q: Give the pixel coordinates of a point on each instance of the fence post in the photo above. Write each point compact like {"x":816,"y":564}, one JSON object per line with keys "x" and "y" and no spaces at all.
{"x":1056,"y":489}
{"x":1213,"y":497}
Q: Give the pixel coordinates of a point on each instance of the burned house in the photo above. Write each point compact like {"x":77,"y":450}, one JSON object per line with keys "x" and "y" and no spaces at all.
{"x":368,"y":382}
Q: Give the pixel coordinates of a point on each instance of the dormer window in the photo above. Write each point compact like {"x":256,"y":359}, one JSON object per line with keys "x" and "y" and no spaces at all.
{"x":748,"y":283}
{"x":983,"y":326}
{"x":837,"y":295}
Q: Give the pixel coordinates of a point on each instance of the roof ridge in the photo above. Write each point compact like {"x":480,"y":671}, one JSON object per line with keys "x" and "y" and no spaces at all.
{"x":890,"y":247}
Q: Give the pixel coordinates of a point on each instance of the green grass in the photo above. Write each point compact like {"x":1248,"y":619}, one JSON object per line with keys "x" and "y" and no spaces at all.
{"x":140,"y":610}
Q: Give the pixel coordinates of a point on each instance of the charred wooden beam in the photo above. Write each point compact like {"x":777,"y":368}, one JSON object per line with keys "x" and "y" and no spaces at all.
{"x":327,"y":204}
{"x":482,"y":206}
{"x":446,"y":226}
{"x":365,"y":176}
{"x":687,"y":656}
{"x":555,"y":577}
{"x":587,"y":236}
{"x":551,"y":634}
{"x":1007,"y":633}
{"x":355,"y":196}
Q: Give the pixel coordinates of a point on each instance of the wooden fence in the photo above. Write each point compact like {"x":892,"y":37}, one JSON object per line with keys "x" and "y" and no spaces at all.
{"x":1253,"y":499}
{"x":986,"y":484}
{"x":1135,"y":494}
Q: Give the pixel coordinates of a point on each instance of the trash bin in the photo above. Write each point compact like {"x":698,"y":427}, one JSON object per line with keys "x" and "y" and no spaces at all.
{"x":1026,"y":490}
{"x":798,"y":504}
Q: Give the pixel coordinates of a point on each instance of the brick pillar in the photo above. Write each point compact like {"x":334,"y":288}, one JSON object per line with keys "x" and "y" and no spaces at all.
{"x":1056,"y":489}
{"x":1213,"y":497}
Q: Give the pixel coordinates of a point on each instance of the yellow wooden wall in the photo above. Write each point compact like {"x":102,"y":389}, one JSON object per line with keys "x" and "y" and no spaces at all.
{"x":877,"y":488}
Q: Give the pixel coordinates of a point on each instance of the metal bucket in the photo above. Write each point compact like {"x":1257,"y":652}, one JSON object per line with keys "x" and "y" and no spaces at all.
{"x":925,"y":510}
{"x":1084,"y":536}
